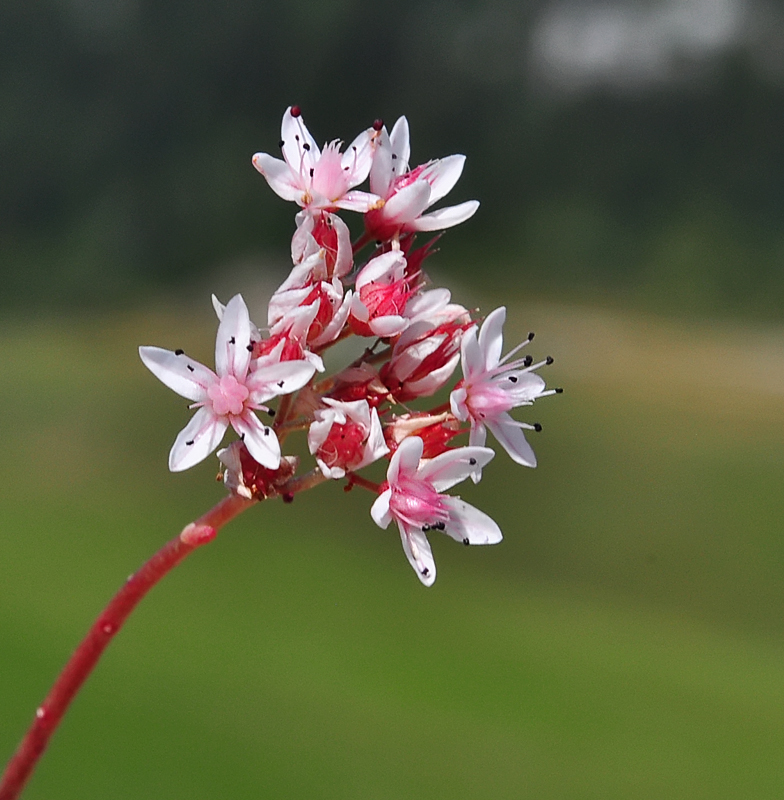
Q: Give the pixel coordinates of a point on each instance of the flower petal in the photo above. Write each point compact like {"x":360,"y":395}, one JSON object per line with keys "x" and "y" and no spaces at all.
{"x":445,"y":217}
{"x":442,"y":176}
{"x":356,"y":201}
{"x":405,"y":459}
{"x":418,"y":552}
{"x":281,"y":178}
{"x":491,"y":337}
{"x":511,"y":437}
{"x":380,"y":509}
{"x":453,"y":466}
{"x":284,"y":377}
{"x":233,"y":342}
{"x":295,"y":135}
{"x":408,"y":203}
{"x":358,"y":158}
{"x":470,"y":525}
{"x":261,"y":441}
{"x":197,"y":439}
{"x":183,"y":375}
{"x":399,"y":139}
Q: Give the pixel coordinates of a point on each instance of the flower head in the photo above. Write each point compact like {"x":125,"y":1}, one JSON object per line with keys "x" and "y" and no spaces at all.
{"x":313,"y":178}
{"x":492,"y":386}
{"x":230,"y":395}
{"x":413,"y":499}
{"x":408,"y":193}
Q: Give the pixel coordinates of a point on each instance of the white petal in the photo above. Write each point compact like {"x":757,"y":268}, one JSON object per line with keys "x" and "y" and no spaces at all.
{"x":511,"y":437}
{"x":359,"y":157}
{"x":408,"y":203}
{"x":405,"y":459}
{"x":443,"y":175}
{"x":491,"y":337}
{"x":425,"y":305}
{"x":197,"y":439}
{"x":399,"y":140}
{"x":356,"y":201}
{"x":418,"y":552}
{"x":453,"y":466}
{"x":380,"y":509}
{"x":432,"y":382}
{"x":294,"y":134}
{"x":457,"y":403}
{"x":232,"y":353}
{"x":280,"y":177}
{"x":472,"y":358}
{"x":477,"y":437}
{"x":381,"y":172}
{"x":388,"y":267}
{"x":181,"y":374}
{"x":284,"y":377}
{"x":375,"y":446}
{"x":261,"y":441}
{"x":470,"y":525}
{"x":388,"y":326}
{"x":445,"y":217}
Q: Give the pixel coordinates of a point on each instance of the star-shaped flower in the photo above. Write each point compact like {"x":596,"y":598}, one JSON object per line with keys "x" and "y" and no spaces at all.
{"x":318,"y":179}
{"x":408,"y":193}
{"x":228,"y":396}
{"x":413,"y":499}
{"x":492,"y":386}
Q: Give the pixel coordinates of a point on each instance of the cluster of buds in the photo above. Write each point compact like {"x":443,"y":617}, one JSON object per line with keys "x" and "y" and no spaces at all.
{"x":414,"y":334}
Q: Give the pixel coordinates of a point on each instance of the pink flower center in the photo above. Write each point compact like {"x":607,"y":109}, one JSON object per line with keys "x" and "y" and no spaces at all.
{"x":417,"y":503}
{"x":329,"y":178}
{"x":228,"y":396}
{"x":485,"y":400}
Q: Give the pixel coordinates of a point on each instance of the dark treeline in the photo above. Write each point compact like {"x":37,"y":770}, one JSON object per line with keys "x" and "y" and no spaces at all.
{"x":126,"y":131}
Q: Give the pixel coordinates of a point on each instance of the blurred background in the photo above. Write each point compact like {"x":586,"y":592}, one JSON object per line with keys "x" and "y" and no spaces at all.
{"x":625,"y":640}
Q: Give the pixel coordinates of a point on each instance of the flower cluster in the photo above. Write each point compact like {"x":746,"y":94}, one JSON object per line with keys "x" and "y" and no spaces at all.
{"x":415,"y":337}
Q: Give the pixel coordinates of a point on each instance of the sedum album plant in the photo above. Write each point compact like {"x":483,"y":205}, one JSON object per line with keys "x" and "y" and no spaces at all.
{"x":374,"y":409}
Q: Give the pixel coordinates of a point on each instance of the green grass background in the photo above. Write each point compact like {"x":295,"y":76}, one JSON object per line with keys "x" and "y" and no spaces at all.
{"x":624,"y":641}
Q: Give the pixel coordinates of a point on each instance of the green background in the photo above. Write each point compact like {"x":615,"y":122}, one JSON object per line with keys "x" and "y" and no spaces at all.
{"x":623,"y":641}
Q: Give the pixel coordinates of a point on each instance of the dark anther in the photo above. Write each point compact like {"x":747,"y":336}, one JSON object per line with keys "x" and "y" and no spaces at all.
{"x":242,"y":437}
{"x":295,"y":111}
{"x":394,"y":156}
{"x":306,"y":146}
{"x":281,"y":143}
{"x":191,"y":368}
{"x":549,"y":360}
{"x":354,"y":148}
{"x":440,"y":526}
{"x":271,"y":412}
{"x":559,"y":391}
{"x":250,"y":347}
{"x":190,"y":441}
{"x":280,"y":383}
{"x":513,"y":379}
{"x":378,"y":124}
{"x":531,"y":336}
{"x":537,"y":427}
{"x":266,"y":431}
{"x":311,"y":172}
{"x":472,"y":461}
{"x":466,"y":542}
{"x":425,"y":571}
{"x":425,"y":528}
{"x":178,"y":352}
{"x":232,"y":341}
{"x":528,"y":360}
{"x":288,"y":497}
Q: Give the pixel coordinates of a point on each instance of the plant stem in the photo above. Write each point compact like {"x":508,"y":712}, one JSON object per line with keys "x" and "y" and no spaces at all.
{"x":80,"y":665}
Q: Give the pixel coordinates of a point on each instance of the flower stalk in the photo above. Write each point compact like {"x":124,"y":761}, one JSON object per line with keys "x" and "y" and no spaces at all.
{"x":50,"y":713}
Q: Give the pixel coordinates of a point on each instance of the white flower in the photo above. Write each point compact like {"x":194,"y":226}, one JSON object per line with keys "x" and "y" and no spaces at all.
{"x":492,"y":386}
{"x":228,"y":396}
{"x":345,"y":436}
{"x":408,"y":193}
{"x":414,"y":501}
{"x":316,"y":179}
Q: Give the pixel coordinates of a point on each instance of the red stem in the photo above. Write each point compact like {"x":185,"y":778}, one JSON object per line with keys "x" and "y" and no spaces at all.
{"x":80,"y":665}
